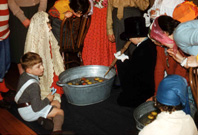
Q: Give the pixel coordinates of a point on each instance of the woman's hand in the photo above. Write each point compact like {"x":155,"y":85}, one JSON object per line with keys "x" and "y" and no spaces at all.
{"x":192,"y":61}
{"x":111,"y":38}
{"x":177,"y":56}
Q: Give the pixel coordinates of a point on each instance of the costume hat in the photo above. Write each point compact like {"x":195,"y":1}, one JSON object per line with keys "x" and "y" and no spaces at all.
{"x":172,"y":91}
{"x":134,"y":27}
{"x":185,"y":11}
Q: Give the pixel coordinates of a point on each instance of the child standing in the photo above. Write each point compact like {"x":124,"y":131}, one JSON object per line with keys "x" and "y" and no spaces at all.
{"x":117,"y":12}
{"x":171,"y":98}
{"x":41,"y":40}
{"x":137,"y":74}
{"x":28,"y":99}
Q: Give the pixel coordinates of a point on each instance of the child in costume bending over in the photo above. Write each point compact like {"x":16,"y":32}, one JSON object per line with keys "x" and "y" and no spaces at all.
{"x":172,"y":100}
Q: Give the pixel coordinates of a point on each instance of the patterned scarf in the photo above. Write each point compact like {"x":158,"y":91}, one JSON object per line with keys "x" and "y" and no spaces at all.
{"x":158,"y":34}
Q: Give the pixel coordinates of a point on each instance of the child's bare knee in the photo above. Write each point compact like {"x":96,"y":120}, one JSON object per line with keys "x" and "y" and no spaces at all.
{"x":61,"y":112}
{"x":56,"y":103}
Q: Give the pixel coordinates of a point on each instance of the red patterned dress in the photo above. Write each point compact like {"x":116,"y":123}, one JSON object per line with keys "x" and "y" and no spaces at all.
{"x":98,"y":50}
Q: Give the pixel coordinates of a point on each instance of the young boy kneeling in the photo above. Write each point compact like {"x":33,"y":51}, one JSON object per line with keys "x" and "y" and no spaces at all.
{"x":30,"y":105}
{"x":172,"y":100}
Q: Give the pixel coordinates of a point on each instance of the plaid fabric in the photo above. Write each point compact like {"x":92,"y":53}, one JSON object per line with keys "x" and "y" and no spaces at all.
{"x":54,"y":12}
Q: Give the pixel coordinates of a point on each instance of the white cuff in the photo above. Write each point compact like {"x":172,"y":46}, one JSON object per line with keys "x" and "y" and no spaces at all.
{"x":183,"y":63}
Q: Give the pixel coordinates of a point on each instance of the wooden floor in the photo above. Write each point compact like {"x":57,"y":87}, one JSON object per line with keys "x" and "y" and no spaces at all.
{"x":10,"y":125}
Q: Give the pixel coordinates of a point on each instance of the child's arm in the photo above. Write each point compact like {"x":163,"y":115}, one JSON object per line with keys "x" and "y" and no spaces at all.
{"x":35,"y":98}
{"x":50,"y":97}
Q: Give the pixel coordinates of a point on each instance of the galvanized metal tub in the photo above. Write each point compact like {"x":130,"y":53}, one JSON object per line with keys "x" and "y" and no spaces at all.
{"x":141,"y":111}
{"x":82,"y":95}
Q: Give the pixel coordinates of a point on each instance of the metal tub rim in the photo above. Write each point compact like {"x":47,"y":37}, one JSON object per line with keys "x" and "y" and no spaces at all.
{"x":95,"y":92}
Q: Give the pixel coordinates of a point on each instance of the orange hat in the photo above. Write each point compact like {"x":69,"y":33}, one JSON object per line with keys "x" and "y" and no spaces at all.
{"x":185,"y":11}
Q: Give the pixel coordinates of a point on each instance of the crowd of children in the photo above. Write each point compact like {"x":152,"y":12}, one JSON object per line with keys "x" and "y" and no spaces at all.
{"x":161,"y":42}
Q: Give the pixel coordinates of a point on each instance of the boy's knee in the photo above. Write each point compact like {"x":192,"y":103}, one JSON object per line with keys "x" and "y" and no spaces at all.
{"x":56,"y":104}
{"x":60,"y":112}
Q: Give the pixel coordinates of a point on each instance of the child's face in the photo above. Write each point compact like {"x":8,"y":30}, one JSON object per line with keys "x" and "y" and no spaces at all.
{"x":37,"y":69}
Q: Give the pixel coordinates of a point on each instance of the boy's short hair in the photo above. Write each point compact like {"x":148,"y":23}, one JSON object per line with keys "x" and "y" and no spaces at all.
{"x":168,"y":108}
{"x":30,"y":59}
{"x":79,"y":5}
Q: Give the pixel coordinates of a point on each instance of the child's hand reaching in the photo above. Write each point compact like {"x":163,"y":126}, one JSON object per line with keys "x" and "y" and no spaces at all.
{"x":50,"y":97}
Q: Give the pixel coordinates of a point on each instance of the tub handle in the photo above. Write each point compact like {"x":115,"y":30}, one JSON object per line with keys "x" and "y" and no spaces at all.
{"x":60,"y":84}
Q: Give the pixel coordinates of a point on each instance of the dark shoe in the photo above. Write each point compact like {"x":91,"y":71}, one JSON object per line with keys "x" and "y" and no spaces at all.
{"x":46,"y":123}
{"x":4,"y":104}
{"x":63,"y":133}
{"x":9,"y":93}
{"x":9,"y":96}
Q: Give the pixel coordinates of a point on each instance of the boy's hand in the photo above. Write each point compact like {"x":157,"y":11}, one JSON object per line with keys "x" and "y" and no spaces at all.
{"x":50,"y":97}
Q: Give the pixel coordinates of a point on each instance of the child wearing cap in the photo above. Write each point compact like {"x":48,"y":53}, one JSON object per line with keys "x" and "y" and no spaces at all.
{"x":137,"y":74}
{"x":171,"y":98}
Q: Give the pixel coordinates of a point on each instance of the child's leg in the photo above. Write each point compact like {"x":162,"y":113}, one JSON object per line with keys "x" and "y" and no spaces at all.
{"x":58,"y":118}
